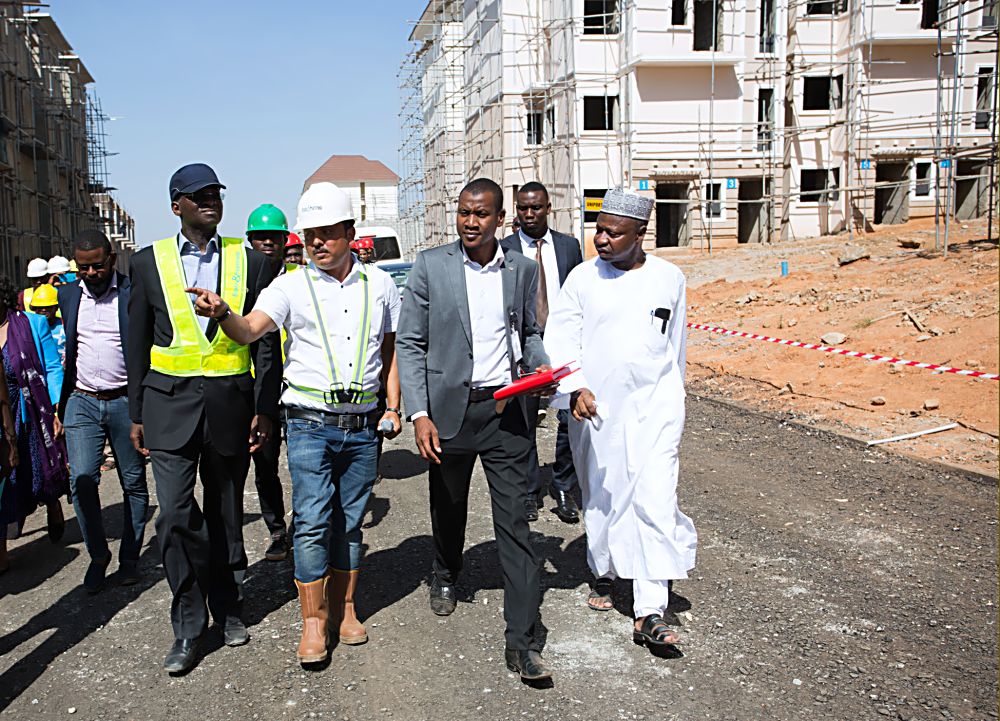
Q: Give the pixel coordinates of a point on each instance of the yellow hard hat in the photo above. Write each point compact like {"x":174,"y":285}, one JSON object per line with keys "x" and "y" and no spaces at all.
{"x":44,"y":296}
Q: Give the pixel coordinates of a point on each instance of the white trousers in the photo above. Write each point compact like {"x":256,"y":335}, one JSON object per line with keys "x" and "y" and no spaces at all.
{"x":648,"y":597}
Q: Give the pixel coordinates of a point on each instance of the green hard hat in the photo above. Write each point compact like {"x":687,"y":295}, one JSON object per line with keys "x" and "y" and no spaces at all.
{"x":267,"y":217}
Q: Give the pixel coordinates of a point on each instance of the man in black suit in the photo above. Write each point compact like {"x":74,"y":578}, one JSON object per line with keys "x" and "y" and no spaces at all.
{"x":467,"y":328}
{"x":93,"y":406}
{"x":556,"y":254}
{"x":193,"y":405}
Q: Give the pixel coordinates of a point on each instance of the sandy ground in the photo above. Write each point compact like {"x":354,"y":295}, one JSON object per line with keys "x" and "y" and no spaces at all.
{"x":833,"y":582}
{"x":953,"y":301}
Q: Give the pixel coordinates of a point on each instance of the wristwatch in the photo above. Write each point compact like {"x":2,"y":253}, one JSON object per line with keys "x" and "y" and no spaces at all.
{"x":394,"y":410}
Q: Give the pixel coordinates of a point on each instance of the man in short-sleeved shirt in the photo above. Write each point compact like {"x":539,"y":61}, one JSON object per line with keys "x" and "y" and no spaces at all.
{"x":340,"y":317}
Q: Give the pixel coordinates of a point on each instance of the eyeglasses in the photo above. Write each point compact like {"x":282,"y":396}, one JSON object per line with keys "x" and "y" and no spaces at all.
{"x":204,"y":196}
{"x":84,"y":267}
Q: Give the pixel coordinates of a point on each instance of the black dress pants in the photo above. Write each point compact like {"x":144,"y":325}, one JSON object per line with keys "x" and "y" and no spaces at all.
{"x":502,"y":441}
{"x":201,"y":549}
{"x":563,"y":471}
{"x":269,"y":492}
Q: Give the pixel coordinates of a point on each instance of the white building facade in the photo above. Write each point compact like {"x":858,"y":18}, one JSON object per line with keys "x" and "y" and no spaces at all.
{"x":748,"y":121}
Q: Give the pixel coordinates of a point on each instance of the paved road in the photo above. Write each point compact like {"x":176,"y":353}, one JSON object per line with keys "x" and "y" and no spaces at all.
{"x":834,"y":582}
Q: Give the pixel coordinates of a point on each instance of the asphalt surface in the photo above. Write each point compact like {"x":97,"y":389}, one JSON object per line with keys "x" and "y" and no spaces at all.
{"x":833,"y":582}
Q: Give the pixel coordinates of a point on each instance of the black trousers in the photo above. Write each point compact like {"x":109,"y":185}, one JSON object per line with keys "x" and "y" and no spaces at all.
{"x":502,"y":442}
{"x":201,"y":548}
{"x":563,"y":471}
{"x":272,"y":500}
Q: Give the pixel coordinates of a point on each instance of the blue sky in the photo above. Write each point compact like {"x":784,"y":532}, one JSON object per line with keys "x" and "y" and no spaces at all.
{"x":262,"y":91}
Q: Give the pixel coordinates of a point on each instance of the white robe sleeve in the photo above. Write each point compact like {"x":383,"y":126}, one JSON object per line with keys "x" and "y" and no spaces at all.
{"x":564,"y":338}
{"x":678,"y":326}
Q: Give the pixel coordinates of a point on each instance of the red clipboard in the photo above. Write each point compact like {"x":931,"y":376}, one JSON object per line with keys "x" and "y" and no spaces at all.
{"x":533,"y":381}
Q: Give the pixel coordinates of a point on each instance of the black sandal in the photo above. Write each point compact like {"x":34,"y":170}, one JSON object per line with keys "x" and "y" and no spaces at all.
{"x":601,"y":592}
{"x":653,"y":632}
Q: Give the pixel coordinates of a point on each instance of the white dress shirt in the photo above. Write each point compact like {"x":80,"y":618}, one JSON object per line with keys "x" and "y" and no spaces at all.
{"x":549,"y":262}
{"x":484,"y":289}
{"x":288,"y":303}
{"x":100,"y":362}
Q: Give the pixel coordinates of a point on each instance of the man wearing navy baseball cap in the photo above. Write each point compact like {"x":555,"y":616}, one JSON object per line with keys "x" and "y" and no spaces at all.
{"x":192,"y":178}
{"x":194,"y":403}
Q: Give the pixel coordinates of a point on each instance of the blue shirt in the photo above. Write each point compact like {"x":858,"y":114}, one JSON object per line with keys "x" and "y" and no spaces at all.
{"x":201,"y":270}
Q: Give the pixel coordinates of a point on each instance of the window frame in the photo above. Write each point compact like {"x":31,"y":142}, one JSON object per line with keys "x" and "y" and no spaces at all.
{"x":610,"y":25}
{"x":928,"y":181}
{"x":611,"y":113}
{"x":719,"y":200}
{"x":820,"y":193}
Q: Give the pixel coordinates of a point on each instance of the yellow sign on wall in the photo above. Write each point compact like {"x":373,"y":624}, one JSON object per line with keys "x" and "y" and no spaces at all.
{"x":593,"y":205}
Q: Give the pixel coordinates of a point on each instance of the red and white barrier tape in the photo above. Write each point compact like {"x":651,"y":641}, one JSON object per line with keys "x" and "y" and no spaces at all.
{"x":844,"y":352}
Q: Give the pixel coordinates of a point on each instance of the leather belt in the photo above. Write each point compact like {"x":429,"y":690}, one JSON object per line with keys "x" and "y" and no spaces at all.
{"x":345,"y":421}
{"x":482,"y":394}
{"x":104,"y":395}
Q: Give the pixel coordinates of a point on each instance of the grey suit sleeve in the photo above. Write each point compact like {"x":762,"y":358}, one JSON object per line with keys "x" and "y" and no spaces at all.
{"x":412,"y":339}
{"x":534,"y":350}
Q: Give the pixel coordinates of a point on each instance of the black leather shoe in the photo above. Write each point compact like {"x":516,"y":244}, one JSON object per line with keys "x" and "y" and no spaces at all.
{"x":528,"y":664}
{"x":234,"y":633}
{"x":93,"y":580}
{"x":182,"y":655}
{"x":565,"y":507}
{"x":277,"y":550}
{"x":443,"y":598}
{"x":531,"y":508}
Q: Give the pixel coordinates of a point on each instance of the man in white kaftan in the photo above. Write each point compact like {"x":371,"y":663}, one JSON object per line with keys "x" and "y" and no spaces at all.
{"x":622,"y":317}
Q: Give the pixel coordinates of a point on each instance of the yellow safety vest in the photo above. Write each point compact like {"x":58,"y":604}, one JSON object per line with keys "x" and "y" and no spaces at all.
{"x":29,"y":293}
{"x":191,"y":353}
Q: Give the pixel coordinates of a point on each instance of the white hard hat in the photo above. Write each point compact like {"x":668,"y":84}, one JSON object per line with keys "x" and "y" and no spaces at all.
{"x":58,"y":264}
{"x":323,"y":204}
{"x":38,"y":268}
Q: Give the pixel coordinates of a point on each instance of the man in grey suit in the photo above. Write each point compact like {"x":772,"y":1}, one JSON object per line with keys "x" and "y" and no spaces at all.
{"x":556,"y":255}
{"x":467,"y":328}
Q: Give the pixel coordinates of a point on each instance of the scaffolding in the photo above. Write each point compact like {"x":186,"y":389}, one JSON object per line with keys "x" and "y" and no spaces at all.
{"x":533,"y":71}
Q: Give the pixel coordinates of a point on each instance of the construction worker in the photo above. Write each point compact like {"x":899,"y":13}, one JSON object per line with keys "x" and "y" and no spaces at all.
{"x":267,"y":231}
{"x":366,"y":249}
{"x":59,"y":270}
{"x":194,"y":405}
{"x":45,"y":302}
{"x":38,"y":273}
{"x":294,"y":253}
{"x":341,"y":319}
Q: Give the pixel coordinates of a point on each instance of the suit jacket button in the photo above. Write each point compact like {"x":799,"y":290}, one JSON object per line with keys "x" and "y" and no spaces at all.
{"x":470,"y":356}
{"x":465,"y":383}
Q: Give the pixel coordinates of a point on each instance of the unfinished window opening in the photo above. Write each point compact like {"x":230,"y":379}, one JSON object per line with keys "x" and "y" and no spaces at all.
{"x":678,"y":12}
{"x":600,"y":112}
{"x":812,"y":185}
{"x":922,"y":187}
{"x":930,"y":11}
{"x":819,"y":7}
{"x":600,"y":17}
{"x":822,"y":93}
{"x":984,"y":98}
{"x":713,"y":200}
{"x":534,"y":128}
{"x":766,"y":26}
{"x":592,"y":198}
{"x":765,"y":118}
{"x":991,"y":8}
{"x":707,"y":25}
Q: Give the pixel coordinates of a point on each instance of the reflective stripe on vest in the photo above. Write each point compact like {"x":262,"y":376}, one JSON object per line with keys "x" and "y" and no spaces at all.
{"x":337,"y":393}
{"x":190,"y":352}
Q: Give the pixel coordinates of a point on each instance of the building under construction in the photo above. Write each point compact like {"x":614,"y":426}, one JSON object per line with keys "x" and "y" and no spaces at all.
{"x":48,"y":190}
{"x":748,"y":122}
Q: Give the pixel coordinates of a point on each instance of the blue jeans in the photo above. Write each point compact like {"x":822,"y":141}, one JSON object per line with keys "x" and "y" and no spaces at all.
{"x":88,"y":422}
{"x":333,"y":471}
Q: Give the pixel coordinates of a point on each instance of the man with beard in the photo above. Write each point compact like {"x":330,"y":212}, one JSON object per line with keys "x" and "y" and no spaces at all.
{"x":94,"y":406}
{"x":621,"y":316}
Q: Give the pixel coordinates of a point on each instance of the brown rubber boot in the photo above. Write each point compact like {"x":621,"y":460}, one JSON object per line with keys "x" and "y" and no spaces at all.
{"x":315,"y":611}
{"x":352,"y":631}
